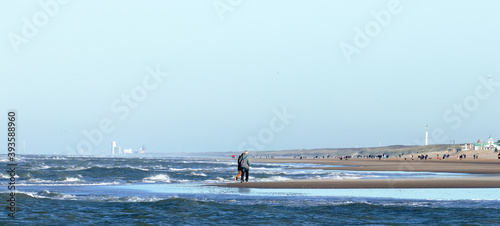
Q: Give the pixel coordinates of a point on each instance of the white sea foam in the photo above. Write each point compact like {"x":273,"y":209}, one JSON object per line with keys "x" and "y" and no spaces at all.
{"x":50,"y":195}
{"x":71,"y":179}
{"x":194,"y":161}
{"x":341,"y":176}
{"x":187,"y":169}
{"x":65,"y":180}
{"x":133,"y":167}
{"x":122,"y":167}
{"x":338,"y":177}
{"x":52,"y":183}
{"x":78,"y":168}
{"x":131,"y":199}
{"x":157,"y":178}
{"x":42,"y":167}
{"x":176,"y":169}
{"x":46,"y":194}
{"x":216,"y":180}
{"x":56,"y":158}
{"x":267,"y":169}
{"x":159,"y":167}
{"x":198,"y":174}
{"x":299,"y":172}
{"x":7,"y":176}
{"x":39,"y":181}
{"x":183,"y":181}
{"x":273,"y":178}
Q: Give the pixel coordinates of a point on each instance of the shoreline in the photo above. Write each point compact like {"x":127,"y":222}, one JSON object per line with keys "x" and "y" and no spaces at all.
{"x":485,"y":173}
{"x":472,"y":182}
{"x":471,"y":166}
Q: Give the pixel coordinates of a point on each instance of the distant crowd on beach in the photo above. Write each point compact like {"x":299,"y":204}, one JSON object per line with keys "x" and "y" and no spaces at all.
{"x":405,"y":156}
{"x":383,"y":156}
{"x":323,"y":157}
{"x":444,"y":156}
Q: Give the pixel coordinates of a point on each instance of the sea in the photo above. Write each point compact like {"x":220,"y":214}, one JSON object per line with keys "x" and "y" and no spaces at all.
{"x":78,"y":190}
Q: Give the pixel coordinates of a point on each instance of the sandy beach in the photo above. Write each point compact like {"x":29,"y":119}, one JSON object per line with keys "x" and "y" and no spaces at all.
{"x":474,"y":166}
{"x":485,"y":173}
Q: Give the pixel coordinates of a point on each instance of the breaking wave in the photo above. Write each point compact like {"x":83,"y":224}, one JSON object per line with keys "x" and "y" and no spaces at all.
{"x":163,"y":178}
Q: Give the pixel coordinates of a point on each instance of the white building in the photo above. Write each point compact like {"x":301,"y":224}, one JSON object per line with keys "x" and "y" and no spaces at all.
{"x":118,"y":150}
{"x":490,"y":145}
{"x":127,"y":151}
{"x":113,"y":146}
{"x":468,"y":147}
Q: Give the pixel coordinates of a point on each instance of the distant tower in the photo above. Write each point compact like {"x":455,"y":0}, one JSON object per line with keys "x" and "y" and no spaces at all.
{"x":426,"y":134}
{"x":113,"y":146}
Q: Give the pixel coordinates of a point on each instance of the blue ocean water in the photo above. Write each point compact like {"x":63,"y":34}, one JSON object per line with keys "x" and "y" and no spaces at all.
{"x":62,"y":190}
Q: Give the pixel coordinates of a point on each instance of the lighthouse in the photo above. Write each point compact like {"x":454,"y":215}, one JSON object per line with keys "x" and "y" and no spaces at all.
{"x":426,"y":134}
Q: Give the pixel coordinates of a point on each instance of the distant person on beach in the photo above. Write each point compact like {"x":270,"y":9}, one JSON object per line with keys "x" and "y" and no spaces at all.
{"x":245,"y":166}
{"x":239,"y":167}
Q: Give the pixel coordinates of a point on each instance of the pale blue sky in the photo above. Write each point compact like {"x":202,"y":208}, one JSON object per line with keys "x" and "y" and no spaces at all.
{"x":227,"y":76}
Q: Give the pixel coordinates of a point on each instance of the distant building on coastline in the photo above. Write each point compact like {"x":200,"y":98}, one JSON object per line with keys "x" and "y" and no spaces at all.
{"x":118,"y":150}
{"x":490,"y":145}
{"x":114,"y":148}
{"x":127,"y":151}
{"x":467,"y":147}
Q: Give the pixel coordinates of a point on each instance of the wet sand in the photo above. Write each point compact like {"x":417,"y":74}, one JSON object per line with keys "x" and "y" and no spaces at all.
{"x":487,"y":174}
{"x":473,"y":166}
{"x":472,"y":182}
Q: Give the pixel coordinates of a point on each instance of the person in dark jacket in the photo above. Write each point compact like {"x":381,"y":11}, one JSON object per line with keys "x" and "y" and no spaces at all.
{"x":245,"y":166}
{"x":239,"y":167}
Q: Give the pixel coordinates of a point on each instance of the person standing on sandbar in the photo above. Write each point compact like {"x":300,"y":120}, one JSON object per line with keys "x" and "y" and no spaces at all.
{"x":239,"y":166}
{"x":245,"y":166}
